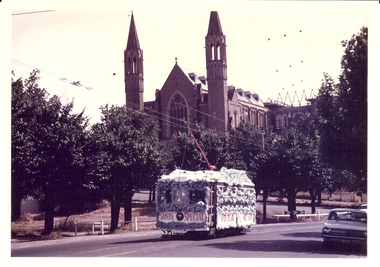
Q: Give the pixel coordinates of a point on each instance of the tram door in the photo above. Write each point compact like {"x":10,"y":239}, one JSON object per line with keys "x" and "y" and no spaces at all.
{"x":212,"y":208}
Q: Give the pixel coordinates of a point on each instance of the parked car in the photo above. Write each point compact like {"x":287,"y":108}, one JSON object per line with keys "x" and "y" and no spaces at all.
{"x":363,"y":207}
{"x":345,"y":225}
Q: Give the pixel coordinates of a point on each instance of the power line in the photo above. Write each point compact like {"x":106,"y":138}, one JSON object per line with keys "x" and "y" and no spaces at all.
{"x":31,"y":12}
{"x":75,"y":83}
{"x":171,"y":123}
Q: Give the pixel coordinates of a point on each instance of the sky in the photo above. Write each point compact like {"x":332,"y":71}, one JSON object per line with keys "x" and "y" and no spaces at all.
{"x":275,"y":49}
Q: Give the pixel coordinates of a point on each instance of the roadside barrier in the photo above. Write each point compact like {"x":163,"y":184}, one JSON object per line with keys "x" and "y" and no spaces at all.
{"x":297,"y":215}
{"x":100,"y":224}
{"x":103,"y":225}
{"x":135,"y":223}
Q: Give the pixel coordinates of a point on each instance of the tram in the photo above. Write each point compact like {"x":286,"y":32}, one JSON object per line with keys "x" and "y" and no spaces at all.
{"x":207,"y":202}
{"x":211,"y":203}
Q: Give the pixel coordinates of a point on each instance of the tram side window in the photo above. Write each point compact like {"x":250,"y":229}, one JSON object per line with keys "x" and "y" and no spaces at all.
{"x":197,"y":196}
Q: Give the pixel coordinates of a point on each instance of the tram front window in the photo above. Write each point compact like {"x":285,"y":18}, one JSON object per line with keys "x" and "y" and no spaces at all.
{"x":166,"y":196}
{"x":197,"y":196}
{"x":180,"y":196}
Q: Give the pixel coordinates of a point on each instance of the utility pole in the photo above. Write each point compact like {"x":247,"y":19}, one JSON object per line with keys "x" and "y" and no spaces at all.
{"x":265,"y":190}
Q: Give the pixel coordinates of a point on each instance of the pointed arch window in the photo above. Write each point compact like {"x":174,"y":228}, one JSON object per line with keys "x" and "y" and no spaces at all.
{"x":217,"y":52}
{"x":129,"y":65}
{"x":212,"y":51}
{"x":134,"y":65}
{"x":178,"y":114}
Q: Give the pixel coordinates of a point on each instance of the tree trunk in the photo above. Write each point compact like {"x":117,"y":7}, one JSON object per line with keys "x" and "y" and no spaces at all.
{"x":292,"y":203}
{"x":49,"y":220}
{"x":15,"y":207}
{"x":265,"y":196}
{"x":319,"y":198}
{"x":313,"y":196}
{"x":128,"y":206}
{"x":115,"y":213}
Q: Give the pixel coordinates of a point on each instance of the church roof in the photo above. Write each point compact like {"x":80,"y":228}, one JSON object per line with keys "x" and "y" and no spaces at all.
{"x":242,"y":96}
{"x":133,"y":39}
{"x":214,"y":26}
{"x":196,"y":78}
{"x":245,"y":96}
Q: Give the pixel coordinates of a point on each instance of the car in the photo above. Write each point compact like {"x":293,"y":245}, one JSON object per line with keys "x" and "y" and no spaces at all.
{"x":345,"y":225}
{"x":363,"y":207}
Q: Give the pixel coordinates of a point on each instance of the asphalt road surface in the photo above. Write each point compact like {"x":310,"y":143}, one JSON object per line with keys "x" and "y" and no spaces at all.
{"x":285,"y":240}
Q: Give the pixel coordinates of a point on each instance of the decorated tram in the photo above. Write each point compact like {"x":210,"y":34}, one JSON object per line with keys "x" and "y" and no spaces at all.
{"x":205,"y":202}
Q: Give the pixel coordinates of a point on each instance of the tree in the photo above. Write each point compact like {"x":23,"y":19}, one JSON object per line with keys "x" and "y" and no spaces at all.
{"x":318,"y":172}
{"x":48,"y":140}
{"x":343,"y":112}
{"x":61,"y":139}
{"x":187,"y":155}
{"x":127,"y":155}
{"x":246,"y":142}
{"x":26,"y":102}
{"x":289,"y":162}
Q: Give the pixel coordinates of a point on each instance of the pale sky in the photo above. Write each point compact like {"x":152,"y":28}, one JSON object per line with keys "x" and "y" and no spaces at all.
{"x":85,"y":42}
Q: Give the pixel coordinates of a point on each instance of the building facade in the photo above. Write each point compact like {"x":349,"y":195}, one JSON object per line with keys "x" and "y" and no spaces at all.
{"x":190,"y":97}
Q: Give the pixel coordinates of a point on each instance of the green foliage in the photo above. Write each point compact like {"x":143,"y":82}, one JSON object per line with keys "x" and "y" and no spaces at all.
{"x":24,"y":110}
{"x":187,"y":156}
{"x":125,"y":155}
{"x":47,"y":147}
{"x":127,"y":151}
{"x":343,"y":111}
{"x":245,"y":144}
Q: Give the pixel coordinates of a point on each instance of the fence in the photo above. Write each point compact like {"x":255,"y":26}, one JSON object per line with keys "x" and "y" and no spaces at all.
{"x":102,"y":225}
{"x":317,"y":215}
{"x":135,"y":223}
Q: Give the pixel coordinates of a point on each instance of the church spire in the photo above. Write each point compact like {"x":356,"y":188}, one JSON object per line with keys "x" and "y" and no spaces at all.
{"x":134,"y":70}
{"x":133,"y":39}
{"x":214,"y":26}
{"x":216,"y":65}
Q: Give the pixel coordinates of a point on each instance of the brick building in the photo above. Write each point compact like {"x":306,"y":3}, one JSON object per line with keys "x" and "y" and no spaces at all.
{"x":187,"y":96}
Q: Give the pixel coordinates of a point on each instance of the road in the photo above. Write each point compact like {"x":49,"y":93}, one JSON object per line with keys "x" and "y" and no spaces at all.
{"x":285,"y":240}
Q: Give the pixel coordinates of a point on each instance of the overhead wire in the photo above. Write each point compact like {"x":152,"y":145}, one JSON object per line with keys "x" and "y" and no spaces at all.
{"x":170,"y":123}
{"x":75,"y":83}
{"x":161,"y":116}
{"x":32,"y":12}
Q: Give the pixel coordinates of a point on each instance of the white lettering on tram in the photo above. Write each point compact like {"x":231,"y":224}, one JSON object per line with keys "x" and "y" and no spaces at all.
{"x":169,"y":216}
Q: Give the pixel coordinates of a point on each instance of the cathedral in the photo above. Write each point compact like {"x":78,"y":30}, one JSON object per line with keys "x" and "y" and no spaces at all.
{"x":190,"y":97}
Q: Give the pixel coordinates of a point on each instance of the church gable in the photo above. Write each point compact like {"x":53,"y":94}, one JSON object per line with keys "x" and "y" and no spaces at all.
{"x":177,"y":80}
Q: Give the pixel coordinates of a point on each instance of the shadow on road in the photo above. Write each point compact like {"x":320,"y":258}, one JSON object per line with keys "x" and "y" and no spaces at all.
{"x":305,"y":234}
{"x":305,"y":246}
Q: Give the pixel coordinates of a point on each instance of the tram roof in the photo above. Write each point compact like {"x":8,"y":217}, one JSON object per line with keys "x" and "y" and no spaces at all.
{"x":224,"y":175}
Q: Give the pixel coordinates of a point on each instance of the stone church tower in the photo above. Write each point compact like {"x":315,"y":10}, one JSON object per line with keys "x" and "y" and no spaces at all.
{"x":133,"y":70}
{"x":216,"y":64}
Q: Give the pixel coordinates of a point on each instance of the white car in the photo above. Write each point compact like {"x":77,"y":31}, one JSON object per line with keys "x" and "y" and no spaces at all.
{"x":345,"y":226}
{"x":363,"y":207}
